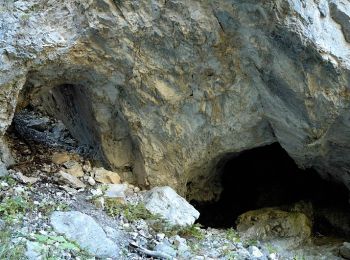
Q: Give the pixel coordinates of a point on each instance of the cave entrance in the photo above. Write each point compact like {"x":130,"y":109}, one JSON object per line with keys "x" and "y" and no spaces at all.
{"x":56,"y":118}
{"x":268,"y":177}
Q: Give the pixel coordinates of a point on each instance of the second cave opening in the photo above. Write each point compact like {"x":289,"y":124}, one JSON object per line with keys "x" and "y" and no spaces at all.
{"x":268,"y":177}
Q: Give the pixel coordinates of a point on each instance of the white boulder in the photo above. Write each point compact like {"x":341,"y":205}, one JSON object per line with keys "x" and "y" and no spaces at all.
{"x":165,"y":202}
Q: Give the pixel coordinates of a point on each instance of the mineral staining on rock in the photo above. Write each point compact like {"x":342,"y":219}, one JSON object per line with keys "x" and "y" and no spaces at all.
{"x":168,"y":88}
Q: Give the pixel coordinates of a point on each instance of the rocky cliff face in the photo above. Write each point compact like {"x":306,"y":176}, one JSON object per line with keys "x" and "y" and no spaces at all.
{"x":164,"y":90}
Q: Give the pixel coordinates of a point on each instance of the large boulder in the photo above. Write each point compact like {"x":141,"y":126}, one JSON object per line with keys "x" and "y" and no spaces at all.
{"x":170,"y":88}
{"x":268,"y":224}
{"x":84,"y":230}
{"x":165,"y":202}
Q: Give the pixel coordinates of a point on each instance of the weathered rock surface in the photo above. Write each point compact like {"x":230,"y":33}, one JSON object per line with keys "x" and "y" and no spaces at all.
{"x":74,"y":168}
{"x":345,"y":250}
{"x":70,"y":180}
{"x":271,"y":223}
{"x":84,"y":230}
{"x":169,"y":205}
{"x":104,"y":176}
{"x":170,"y":88}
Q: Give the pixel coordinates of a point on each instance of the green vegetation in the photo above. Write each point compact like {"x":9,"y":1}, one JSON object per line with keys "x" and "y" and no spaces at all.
{"x":232,"y":235}
{"x":14,"y":207}
{"x":131,"y":212}
{"x":25,"y":17}
{"x":270,"y":248}
{"x":296,"y":257}
{"x":229,"y":254}
{"x":8,"y":250}
{"x":48,"y":207}
{"x":9,"y":181}
{"x":46,"y":244}
{"x":191,"y":231}
{"x":251,"y":242}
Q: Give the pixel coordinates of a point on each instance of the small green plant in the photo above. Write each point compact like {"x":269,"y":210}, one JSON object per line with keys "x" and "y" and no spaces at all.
{"x":131,"y":212}
{"x":25,"y":17}
{"x":229,"y":254}
{"x":191,"y":231}
{"x":8,"y":250}
{"x":60,"y":241}
{"x":251,"y":242}
{"x":13,"y":207}
{"x":49,"y":242}
{"x":296,"y":257}
{"x":232,"y":235}
{"x":195,"y":247}
{"x":47,"y":208}
{"x":9,"y":181}
{"x":270,"y":248}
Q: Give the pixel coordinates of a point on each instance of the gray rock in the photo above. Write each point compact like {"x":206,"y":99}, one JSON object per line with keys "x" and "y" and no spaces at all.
{"x":256,"y":253}
{"x":115,"y":191}
{"x":34,"y":251}
{"x":344,"y":250}
{"x":84,"y":230}
{"x":172,"y":207}
{"x":3,"y":170}
{"x":166,"y":248}
{"x":183,"y":249}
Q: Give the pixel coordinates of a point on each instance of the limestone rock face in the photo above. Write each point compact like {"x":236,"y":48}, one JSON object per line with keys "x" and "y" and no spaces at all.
{"x":170,"y":88}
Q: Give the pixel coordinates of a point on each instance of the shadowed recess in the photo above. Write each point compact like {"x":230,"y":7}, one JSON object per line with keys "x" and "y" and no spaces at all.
{"x":268,"y":177}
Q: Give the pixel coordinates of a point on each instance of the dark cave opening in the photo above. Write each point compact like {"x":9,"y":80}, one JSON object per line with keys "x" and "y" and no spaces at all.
{"x":53,"y":116}
{"x":268,"y":177}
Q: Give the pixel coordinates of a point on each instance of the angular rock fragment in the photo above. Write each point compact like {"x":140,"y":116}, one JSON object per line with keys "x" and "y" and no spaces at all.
{"x":104,"y":176}
{"x":69,"y":179}
{"x":24,"y":179}
{"x":74,"y":168}
{"x":172,"y":207}
{"x":60,"y":157}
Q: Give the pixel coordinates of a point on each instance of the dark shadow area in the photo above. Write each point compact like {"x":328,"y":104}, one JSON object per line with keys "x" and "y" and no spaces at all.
{"x":268,"y":177}
{"x":50,"y":115}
